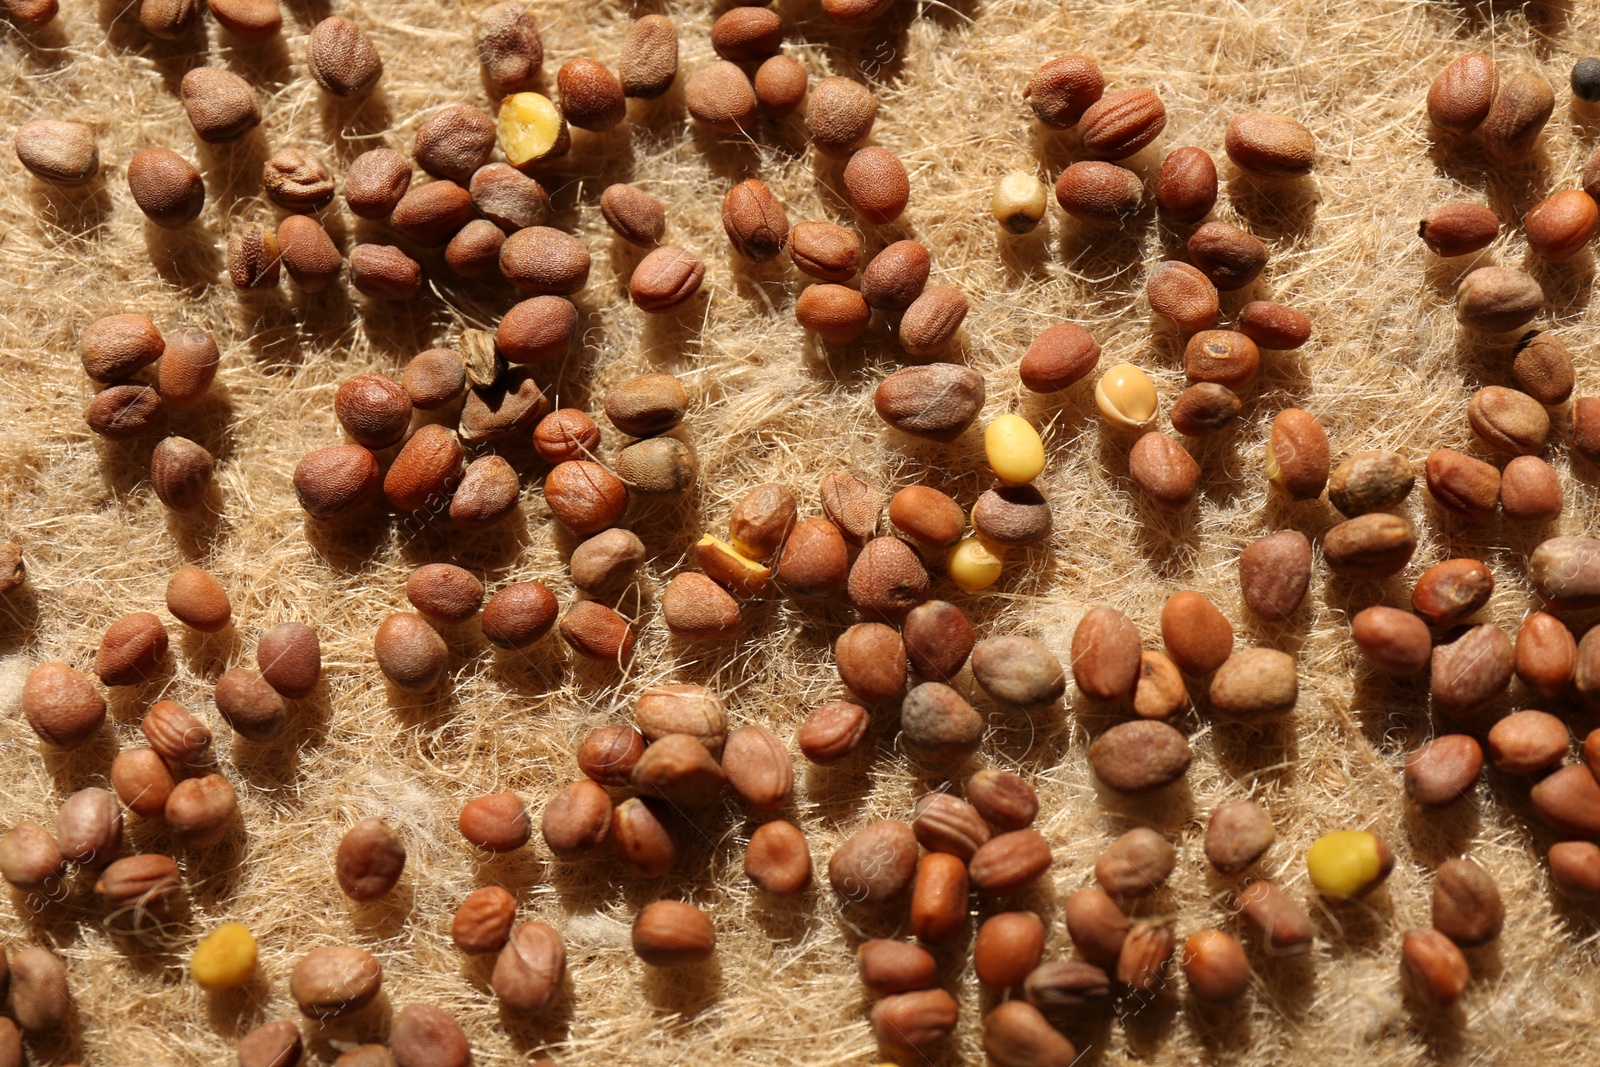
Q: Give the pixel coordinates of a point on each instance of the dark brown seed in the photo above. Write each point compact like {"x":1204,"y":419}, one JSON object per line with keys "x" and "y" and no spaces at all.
{"x":509,"y":46}
{"x":180,"y":472}
{"x":896,"y":276}
{"x":1062,"y":89}
{"x":1373,"y":546}
{"x":1003,"y":798}
{"x":123,"y":412}
{"x":1279,"y":923}
{"x":384,"y":272}
{"x":1008,"y":862}
{"x":251,"y":706}
{"x":167,"y":187}
{"x":290,"y":657}
{"x":296,"y":180}
{"x":1204,"y":408}
{"x":1227,"y":255}
{"x":1546,"y":654}
{"x":375,"y":182}
{"x":1186,"y":185}
{"x":1522,"y":105}
{"x":1066,"y":991}
{"x":1543,"y":368}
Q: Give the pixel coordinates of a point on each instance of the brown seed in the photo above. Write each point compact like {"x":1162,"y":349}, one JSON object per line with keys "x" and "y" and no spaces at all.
{"x":332,"y":482}
{"x":835,"y":313}
{"x":1508,"y":420}
{"x":537,"y":329}
{"x":584,"y":496}
{"x":815,"y":559}
{"x":1204,"y":408}
{"x":1221,"y":357}
{"x":430,"y":214}
{"x":1297,"y":454}
{"x":444,"y":593}
{"x":297,"y":181}
{"x":1096,"y":925}
{"x":591,"y":96}
{"x":1255,"y":684}
{"x":370,"y":859}
{"x":487,"y":493}
{"x":331,"y":982}
{"x":410,"y":653}
{"x":118,"y":346}
{"x":1466,"y":486}
{"x":1004,"y":864}
{"x":777,"y":859}
{"x":1458,"y":229}
{"x":649,"y":59}
{"x":1569,"y":800}
{"x":607,"y":561}
{"x":1460,"y":97}
{"x":374,"y":410}
{"x":1136,"y":863}
{"x":13,"y":571}
{"x":89,"y":828}
{"x":1186,"y":185}
{"x":290,"y":658}
{"x":1451,"y":591}
{"x":505,"y":196}
{"x":936,"y":401}
{"x":1559,"y":226}
{"x":543,"y":260}
{"x":175,"y":734}
{"x":28,"y":15}
{"x":1164,"y":471}
{"x":1279,"y":923}
{"x":565,"y":434}
{"x":41,"y":1000}
{"x":577,"y":821}
{"x":1497,"y":299}
{"x":596,"y":632}
{"x":249,"y":20}
{"x":720,"y":98}
{"x":166,"y":187}
{"x":1470,"y":671}
{"x":1546,"y":654}
{"x":944,"y":823}
{"x":642,"y":838}
{"x":1022,"y":675}
{"x":1140,"y":756}
{"x":180,"y":473}
{"x":1105,"y":655}
{"x":496,"y":823}
{"x":508,"y":45}
{"x":609,"y":754}
{"x":426,"y":471}
{"x":875,"y":864}
{"x":1142,"y":964}
{"x":1564,"y":573}
{"x":251,"y":706}
{"x":1443,"y":771}
{"x":384,"y":272}
{"x":938,"y":638}
{"x":840,"y":116}
{"x":1521,"y":107}
{"x":746,"y":34}
{"x":939,"y":899}
{"x":780,"y":85}
{"x":61,"y":705}
{"x":142,"y":781}
{"x":876,"y":182}
{"x":1160,"y":692}
{"x":894,"y":966}
{"x":201,"y":810}
{"x":697,"y":609}
{"x":1543,"y":368}
{"x":519,"y":615}
{"x":931,"y":322}
{"x":634,"y":214}
{"x":278,"y":1044}
{"x":1120,"y":123}
{"x":425,"y":1036}
{"x":308,"y":253}
{"x":761,"y":521}
{"x":1373,"y":546}
{"x":375,"y":181}
{"x":1066,"y":990}
{"x":665,"y":279}
{"x":1395,"y":641}
{"x":188,"y":365}
{"x":1062,"y":89}
{"x":682,"y":709}
{"x":1183,"y":296}
{"x":1003,"y":799}
{"x":679,"y":769}
{"x":342,"y":58}
{"x":1058,"y":357}
{"x":832,"y":731}
{"x":221,"y":105}
{"x":670,"y":933}
{"x":1016,"y":1034}
{"x":530,"y":969}
{"x":123,"y":412}
{"x":887,"y":580}
{"x":1370,"y":481}
{"x":1008,"y":948}
{"x":938,"y":725}
{"x":1466,"y":903}
{"x":131,"y":651}
{"x":1215,"y":965}
{"x":1100,"y":194}
{"x":647,"y":405}
{"x":1237,"y":835}
{"x":1273,"y":146}
{"x":871,"y":658}
{"x":483,"y":922}
{"x":896,"y":276}
{"x":851,"y":12}
{"x":1575,"y":869}
{"x":1197,"y":636}
{"x":1227,"y":255}
{"x":1528,"y":742}
{"x":851,"y":505}
{"x":30,"y":857}
{"x":758,"y":768}
{"x":823,"y":250}
{"x":1433,"y":967}
{"x":474,"y":251}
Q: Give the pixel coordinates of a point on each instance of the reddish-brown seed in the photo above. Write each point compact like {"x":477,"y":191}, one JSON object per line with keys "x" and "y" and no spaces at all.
{"x":1395,"y":641}
{"x":1469,"y":487}
{"x":1460,"y":97}
{"x":1443,"y":771}
{"x":496,"y":823}
{"x":1120,"y":123}
{"x":895,"y":966}
{"x":1008,"y":946}
{"x":1458,"y":229}
{"x":1096,"y":925}
{"x":1575,"y":869}
{"x":370,"y":860}
{"x":426,"y":471}
{"x":1449,"y":592}
{"x":1546,"y":654}
{"x":1105,"y":654}
{"x":777,"y":859}
{"x":670,"y":933}
{"x":833,"y":731}
{"x":939,"y":897}
{"x":1059,"y":356}
{"x":597,"y":632}
{"x":483,"y":922}
{"x":875,"y":864}
{"x":1197,"y":636}
{"x":871,"y":659}
{"x":1530,"y":491}
{"x":61,"y":705}
{"x":876,"y":182}
{"x":1100,"y":194}
{"x":887,"y":580}
{"x":142,"y":781}
{"x":1183,"y":296}
{"x":1227,"y":255}
{"x":1186,"y":185}
{"x":131,"y":650}
{"x":1528,"y":742}
{"x":174,"y":734}
{"x":815,"y":561}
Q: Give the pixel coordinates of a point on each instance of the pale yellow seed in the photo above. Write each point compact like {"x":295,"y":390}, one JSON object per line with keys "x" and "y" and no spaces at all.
{"x":1019,"y":201}
{"x":1016,"y":455}
{"x":736,"y":560}
{"x":1344,"y":863}
{"x":1126,"y":397}
{"x":975,"y":563}
{"x":225,"y":958}
{"x":1274,"y":472}
{"x":531,"y":128}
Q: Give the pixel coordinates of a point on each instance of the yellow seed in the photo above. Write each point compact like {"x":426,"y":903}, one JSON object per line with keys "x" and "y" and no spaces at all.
{"x":1274,"y":472}
{"x":1019,"y":201}
{"x":975,"y":563}
{"x":1016,"y":455}
{"x":1126,"y":397}
{"x":1347,"y":863}
{"x":225,"y":958}
{"x":531,"y":128}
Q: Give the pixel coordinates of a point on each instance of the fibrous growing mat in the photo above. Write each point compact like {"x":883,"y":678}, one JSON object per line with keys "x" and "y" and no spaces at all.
{"x":1387,"y":367}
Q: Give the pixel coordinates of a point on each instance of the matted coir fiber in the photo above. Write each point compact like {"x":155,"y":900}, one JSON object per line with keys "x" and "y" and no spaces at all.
{"x":1387,"y":368}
